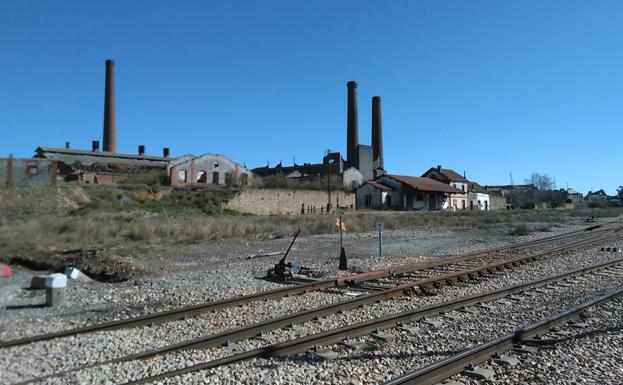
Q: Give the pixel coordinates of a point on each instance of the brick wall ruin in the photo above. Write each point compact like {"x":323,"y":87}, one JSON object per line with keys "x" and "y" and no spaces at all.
{"x":282,"y":201}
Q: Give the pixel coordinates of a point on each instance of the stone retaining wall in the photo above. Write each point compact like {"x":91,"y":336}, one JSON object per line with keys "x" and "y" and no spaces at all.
{"x":282,"y":201}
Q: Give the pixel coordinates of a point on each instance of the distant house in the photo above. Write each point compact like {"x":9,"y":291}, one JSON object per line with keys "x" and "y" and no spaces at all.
{"x":478,"y":197}
{"x":401,"y":192}
{"x":511,"y":193}
{"x":597,"y":196}
{"x":458,"y":201}
{"x":472,"y":197}
{"x":573,"y":197}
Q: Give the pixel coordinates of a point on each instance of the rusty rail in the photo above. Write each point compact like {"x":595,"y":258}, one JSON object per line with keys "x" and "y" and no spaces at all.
{"x":441,"y":370}
{"x":176,"y":314}
{"x":364,"y":328}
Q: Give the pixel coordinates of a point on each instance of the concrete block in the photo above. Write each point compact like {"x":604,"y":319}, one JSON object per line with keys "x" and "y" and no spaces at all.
{"x":38,"y":282}
{"x":480,"y":373}
{"x":379,"y":335}
{"x":72,"y":273}
{"x":326,"y":355}
{"x":5,"y":270}
{"x":356,"y":346}
{"x":54,"y":296}
{"x":506,"y":359}
{"x":525,"y":349}
{"x":56,"y":281}
{"x":451,"y":316}
{"x":411,"y":329}
{"x":469,"y":310}
{"x":431,"y":322}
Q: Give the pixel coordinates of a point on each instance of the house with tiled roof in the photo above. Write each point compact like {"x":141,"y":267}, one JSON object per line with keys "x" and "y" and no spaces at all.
{"x":454,"y":179}
{"x":478,"y":197}
{"x":401,"y":192}
{"x":473,"y":196}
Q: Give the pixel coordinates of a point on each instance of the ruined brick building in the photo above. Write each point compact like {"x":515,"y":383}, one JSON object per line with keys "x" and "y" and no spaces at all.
{"x":51,"y":165}
{"x":363,"y":162}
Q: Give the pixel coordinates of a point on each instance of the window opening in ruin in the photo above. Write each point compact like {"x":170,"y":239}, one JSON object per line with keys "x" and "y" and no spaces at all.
{"x":32,"y":169}
{"x":202,"y":177}
{"x":181,"y":176}
{"x":215,"y":163}
{"x":215,"y":177}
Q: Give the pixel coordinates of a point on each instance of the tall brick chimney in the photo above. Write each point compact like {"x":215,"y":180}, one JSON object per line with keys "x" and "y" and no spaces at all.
{"x":352,"y":127}
{"x":110,"y":126}
{"x":377,"y":133}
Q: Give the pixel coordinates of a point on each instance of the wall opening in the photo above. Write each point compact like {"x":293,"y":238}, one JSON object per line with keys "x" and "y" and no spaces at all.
{"x":32,"y":169}
{"x":181,"y":176}
{"x":202,"y":177}
{"x":215,"y":177}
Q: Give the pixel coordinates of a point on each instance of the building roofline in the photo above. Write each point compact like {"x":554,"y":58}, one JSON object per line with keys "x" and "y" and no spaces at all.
{"x":104,"y":154}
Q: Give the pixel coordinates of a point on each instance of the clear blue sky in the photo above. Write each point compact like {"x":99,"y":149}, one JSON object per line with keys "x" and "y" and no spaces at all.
{"x":489,"y":87}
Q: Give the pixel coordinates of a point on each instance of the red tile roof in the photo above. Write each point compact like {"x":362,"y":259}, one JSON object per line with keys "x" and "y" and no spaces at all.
{"x":447,"y":173}
{"x":476,"y":187}
{"x":452,"y":175}
{"x":378,"y":185}
{"x":425,"y":184}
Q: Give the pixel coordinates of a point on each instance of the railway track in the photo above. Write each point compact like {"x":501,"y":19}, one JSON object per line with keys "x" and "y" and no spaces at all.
{"x":334,"y":336}
{"x":376,"y":281}
{"x":442,"y":370}
{"x":250,"y":331}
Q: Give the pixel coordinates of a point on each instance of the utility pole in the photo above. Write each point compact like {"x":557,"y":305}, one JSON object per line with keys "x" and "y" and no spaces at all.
{"x":329,"y":186}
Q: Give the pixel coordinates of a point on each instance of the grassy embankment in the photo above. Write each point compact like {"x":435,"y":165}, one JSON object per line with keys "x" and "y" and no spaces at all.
{"x":127,"y":221}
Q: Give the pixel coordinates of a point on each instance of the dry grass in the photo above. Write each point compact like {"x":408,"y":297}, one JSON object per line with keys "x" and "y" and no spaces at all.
{"x":43,"y":222}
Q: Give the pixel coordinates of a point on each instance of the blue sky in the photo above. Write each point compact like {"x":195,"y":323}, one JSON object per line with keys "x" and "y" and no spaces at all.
{"x":486,"y":87}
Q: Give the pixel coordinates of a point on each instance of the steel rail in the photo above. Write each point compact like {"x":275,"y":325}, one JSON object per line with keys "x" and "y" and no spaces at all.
{"x":253,"y":330}
{"x":363,"y":328}
{"x":441,"y":370}
{"x":189,"y":311}
{"x":303,"y":344}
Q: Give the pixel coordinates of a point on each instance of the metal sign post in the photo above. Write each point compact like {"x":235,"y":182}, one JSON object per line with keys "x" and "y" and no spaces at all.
{"x":380,"y":227}
{"x":342,"y":226}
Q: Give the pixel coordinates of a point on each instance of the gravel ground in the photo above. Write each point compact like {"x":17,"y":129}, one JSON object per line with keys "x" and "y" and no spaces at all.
{"x":77,"y":350}
{"x":590,"y":355}
{"x":95,"y":302}
{"x":198,"y":276}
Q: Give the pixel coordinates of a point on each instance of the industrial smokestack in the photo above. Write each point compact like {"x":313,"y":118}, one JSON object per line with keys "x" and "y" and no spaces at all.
{"x":95,"y":145}
{"x":352,"y":139}
{"x":67,"y":145}
{"x":110,"y":126}
{"x":377,"y":133}
{"x":165,"y":152}
{"x":141,"y":150}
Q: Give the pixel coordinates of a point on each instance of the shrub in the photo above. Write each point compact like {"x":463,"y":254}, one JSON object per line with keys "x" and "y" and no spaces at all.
{"x":521,"y":229}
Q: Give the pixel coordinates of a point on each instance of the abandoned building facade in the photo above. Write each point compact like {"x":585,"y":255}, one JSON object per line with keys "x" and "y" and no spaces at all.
{"x":399,"y":192}
{"x":51,"y":165}
{"x":212,"y":169}
{"x":362,"y":163}
{"x":436,"y":189}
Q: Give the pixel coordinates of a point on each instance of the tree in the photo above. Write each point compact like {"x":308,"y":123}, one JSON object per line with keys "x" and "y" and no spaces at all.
{"x":620,"y":191}
{"x":542,"y":182}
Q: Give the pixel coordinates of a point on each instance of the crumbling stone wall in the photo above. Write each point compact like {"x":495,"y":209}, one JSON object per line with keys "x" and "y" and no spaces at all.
{"x":283,"y":201}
